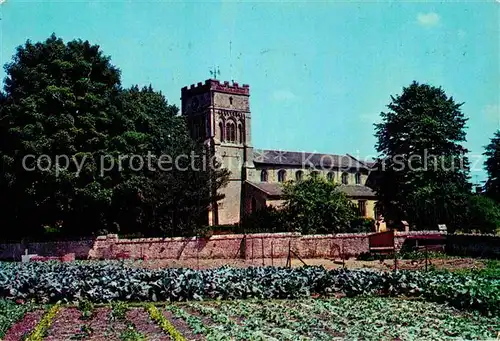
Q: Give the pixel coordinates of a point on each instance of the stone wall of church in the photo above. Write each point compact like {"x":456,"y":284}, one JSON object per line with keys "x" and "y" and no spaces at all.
{"x":369,"y":208}
{"x":230,"y":206}
{"x":275,"y":202}
{"x":231,"y":101}
{"x":254,"y":200}
{"x":232,"y":158}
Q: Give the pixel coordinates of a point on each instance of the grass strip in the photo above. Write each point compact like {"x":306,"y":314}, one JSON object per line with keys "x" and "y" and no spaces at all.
{"x":43,"y":326}
{"x":164,"y":324}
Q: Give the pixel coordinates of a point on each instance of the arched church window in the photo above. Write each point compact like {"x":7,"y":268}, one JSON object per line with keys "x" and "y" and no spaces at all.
{"x":358,"y":178}
{"x":263,"y":176}
{"x":282,"y":175}
{"x":299,"y":175}
{"x":221,"y":129}
{"x":345,"y":178}
{"x":240,"y":133}
{"x":330,"y":176}
{"x":231,"y":132}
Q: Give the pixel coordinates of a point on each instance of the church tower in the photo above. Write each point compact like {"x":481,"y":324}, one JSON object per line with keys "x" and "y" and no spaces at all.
{"x":219,"y":115}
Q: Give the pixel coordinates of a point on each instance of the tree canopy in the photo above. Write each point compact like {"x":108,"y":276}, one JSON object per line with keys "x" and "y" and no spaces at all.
{"x":82,"y":154}
{"x":492,"y":165}
{"x":424,"y":177}
{"x":315,"y":205}
{"x":482,"y":215}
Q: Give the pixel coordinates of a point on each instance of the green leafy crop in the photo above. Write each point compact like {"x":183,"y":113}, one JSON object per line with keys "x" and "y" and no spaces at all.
{"x":109,"y":281}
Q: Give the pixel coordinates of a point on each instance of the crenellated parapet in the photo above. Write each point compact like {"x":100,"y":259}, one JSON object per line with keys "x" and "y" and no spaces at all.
{"x":215,"y":85}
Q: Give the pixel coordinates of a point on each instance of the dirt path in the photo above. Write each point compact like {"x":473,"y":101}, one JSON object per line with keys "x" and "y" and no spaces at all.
{"x":143,"y":324}
{"x":438,"y":263}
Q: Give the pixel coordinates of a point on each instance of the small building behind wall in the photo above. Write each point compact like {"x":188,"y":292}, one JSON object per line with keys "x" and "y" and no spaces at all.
{"x":261,"y":194}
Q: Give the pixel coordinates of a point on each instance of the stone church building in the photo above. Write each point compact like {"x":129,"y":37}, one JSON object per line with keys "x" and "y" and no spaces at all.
{"x":219,"y":115}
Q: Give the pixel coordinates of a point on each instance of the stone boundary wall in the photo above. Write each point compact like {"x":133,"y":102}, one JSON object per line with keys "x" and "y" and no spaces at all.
{"x":216,"y":247}
{"x":14,"y":251}
{"x":233,"y":246}
{"x":308,"y":246}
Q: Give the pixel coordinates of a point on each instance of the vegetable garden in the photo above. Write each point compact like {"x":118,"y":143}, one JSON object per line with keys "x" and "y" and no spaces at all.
{"x":109,"y":300}
{"x":309,"y":319}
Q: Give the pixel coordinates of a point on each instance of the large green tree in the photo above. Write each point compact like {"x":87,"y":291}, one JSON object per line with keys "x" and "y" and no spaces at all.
{"x":492,"y":165}
{"x":66,"y":99}
{"x":424,"y":169}
{"x":315,"y":205}
{"x":58,"y":99}
{"x":483,"y":215}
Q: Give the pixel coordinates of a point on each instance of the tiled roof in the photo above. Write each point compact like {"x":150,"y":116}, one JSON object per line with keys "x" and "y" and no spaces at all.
{"x":275,"y":189}
{"x":270,"y":188}
{"x":358,"y":191}
{"x":306,"y":159}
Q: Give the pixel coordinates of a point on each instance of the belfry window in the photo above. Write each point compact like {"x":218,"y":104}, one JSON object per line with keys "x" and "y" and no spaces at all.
{"x":221,"y":129}
{"x":240,"y":133}
{"x":230,"y":132}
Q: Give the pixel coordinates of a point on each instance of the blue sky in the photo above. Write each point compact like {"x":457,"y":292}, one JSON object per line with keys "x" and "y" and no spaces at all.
{"x":319,"y":72}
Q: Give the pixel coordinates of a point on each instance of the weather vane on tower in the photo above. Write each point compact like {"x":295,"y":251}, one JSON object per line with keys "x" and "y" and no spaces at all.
{"x":215,"y":72}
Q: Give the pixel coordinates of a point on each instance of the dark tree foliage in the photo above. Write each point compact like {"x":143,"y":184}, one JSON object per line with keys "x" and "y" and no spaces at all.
{"x":317,"y":206}
{"x":483,"y":215}
{"x":424,"y":170}
{"x":362,"y":225}
{"x":66,"y":99}
{"x":492,"y":165}
{"x":267,"y":219}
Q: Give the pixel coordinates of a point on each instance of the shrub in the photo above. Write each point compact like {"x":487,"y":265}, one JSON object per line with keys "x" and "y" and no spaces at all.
{"x":483,"y":215}
{"x":268,"y":219}
{"x":317,"y":206}
{"x":362,"y":225}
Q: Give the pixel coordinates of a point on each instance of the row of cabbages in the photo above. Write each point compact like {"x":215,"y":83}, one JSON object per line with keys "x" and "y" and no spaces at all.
{"x":111,"y":281}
